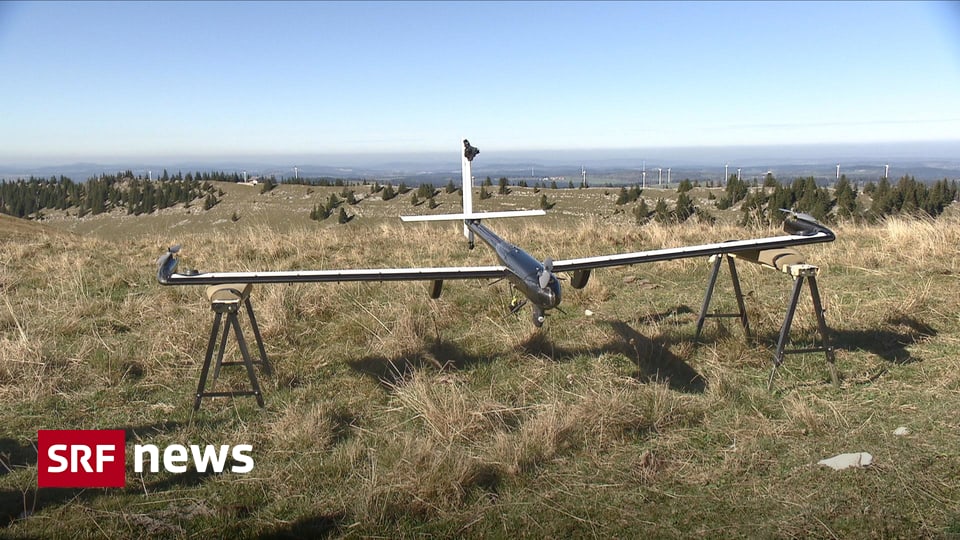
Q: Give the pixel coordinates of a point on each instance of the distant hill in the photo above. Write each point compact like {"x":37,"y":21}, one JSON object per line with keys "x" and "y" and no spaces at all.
{"x":926,"y":161}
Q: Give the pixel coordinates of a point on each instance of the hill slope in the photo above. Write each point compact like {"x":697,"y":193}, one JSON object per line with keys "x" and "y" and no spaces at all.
{"x":391,"y":414}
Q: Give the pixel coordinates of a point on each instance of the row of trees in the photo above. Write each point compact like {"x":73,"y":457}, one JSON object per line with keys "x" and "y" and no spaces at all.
{"x":682,"y":210}
{"x":322,"y":212}
{"x":31,"y":197}
{"x":910,"y":197}
{"x":762,"y":206}
{"x":323,"y":181}
{"x":907,"y":197}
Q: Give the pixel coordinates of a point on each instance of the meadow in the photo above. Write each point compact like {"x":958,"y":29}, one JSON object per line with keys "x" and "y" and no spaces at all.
{"x":393,"y":415}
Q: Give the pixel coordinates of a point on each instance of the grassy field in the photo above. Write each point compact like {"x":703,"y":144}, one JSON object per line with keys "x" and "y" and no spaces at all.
{"x":393,"y":415}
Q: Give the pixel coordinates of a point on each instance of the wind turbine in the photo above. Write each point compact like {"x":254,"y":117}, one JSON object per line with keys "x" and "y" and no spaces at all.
{"x":296,"y":173}
{"x":726,"y":175}
{"x":583,"y":172}
{"x":668,"y":176}
{"x":738,"y":174}
{"x":659,"y":176}
{"x":643,"y":176}
{"x":886,"y":171}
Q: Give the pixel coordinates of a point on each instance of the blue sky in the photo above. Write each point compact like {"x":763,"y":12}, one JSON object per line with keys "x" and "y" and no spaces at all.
{"x":136,"y":80}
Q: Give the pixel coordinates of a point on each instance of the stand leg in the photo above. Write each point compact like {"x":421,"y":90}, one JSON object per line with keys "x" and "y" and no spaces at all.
{"x":206,"y":360}
{"x":223,"y":344}
{"x":739,"y":294}
{"x":246,"y":360}
{"x":785,"y":330}
{"x":706,"y":298}
{"x":267,"y":369}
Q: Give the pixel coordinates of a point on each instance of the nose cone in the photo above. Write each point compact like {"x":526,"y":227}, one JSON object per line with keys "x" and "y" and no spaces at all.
{"x":551,"y":293}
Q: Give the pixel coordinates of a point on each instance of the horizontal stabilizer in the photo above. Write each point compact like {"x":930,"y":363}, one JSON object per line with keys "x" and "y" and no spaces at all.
{"x":474,"y":215}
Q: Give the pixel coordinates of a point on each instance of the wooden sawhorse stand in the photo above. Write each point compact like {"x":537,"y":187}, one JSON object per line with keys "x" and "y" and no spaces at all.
{"x":789,"y":262}
{"x":226,"y":300}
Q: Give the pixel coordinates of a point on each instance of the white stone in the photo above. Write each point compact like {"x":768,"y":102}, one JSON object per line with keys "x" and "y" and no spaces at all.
{"x":588,"y":313}
{"x":845,"y":461}
{"x":902,"y":430}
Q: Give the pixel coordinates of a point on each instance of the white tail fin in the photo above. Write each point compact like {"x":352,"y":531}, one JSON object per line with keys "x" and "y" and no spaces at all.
{"x":465,"y":170}
{"x":469,"y":152}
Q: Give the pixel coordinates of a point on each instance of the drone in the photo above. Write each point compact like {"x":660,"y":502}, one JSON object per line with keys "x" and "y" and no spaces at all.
{"x":537,"y":281}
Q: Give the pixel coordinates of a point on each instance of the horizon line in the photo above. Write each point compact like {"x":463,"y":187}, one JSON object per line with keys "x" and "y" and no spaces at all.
{"x":915,"y":149}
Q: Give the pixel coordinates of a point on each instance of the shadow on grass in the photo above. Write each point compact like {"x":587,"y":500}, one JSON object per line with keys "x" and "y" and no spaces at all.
{"x":657,"y":318}
{"x":14,"y":454}
{"x":389,"y":371}
{"x":889,"y":342}
{"x":653,"y":358}
{"x":323,"y":526}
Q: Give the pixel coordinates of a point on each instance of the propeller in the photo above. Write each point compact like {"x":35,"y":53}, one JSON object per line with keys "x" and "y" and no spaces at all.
{"x":546,"y":273}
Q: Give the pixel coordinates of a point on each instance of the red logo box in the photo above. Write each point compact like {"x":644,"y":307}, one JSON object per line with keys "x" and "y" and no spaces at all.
{"x":81,"y":458}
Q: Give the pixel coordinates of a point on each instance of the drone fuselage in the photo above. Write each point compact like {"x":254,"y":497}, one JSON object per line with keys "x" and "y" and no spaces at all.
{"x":524,"y":270}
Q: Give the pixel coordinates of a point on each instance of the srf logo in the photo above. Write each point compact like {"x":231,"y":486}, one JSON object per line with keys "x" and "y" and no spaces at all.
{"x":97,"y":458}
{"x":81,"y":458}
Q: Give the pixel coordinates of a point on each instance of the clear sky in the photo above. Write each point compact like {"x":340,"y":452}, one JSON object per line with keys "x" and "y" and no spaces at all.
{"x":129,"y":80}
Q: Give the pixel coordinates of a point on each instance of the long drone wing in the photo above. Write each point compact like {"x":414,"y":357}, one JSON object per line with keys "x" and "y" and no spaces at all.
{"x":168,"y":263}
{"x":802,"y":230}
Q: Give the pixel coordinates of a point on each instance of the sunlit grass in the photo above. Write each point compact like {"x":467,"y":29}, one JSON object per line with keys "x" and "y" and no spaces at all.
{"x":391,"y":414}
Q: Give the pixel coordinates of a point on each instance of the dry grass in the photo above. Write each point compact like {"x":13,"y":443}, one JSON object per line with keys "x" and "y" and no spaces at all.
{"x":394,"y":415}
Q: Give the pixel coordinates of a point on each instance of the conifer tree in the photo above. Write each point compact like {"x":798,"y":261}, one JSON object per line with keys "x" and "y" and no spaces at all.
{"x":545,"y":204}
{"x":684,"y":207}
{"x":660,"y":212}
